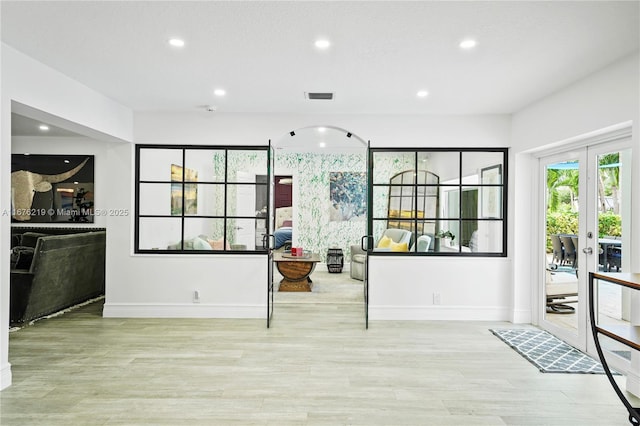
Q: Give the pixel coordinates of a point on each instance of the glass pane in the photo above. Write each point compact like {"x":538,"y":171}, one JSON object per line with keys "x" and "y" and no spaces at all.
{"x":610,"y":207}
{"x":470,"y":204}
{"x":156,"y":199}
{"x":425,"y":232}
{"x":204,"y":199}
{"x":261,"y":231}
{"x":244,"y":234}
{"x":491,"y":202}
{"x":489,"y":236}
{"x":450,"y":203}
{"x":242,"y":201}
{"x":206,"y":165}
{"x":156,"y":164}
{"x":244,"y":165}
{"x":380,"y":201}
{"x":397,"y":236}
{"x":487,"y":165}
{"x":614,"y":301}
{"x":402,"y":201}
{"x":158,"y":233}
{"x":562,"y":216}
{"x":446,"y":236}
{"x":388,"y":164}
{"x":444,"y":165}
{"x":468,"y":234}
{"x":207,"y":229}
{"x":427,"y":202}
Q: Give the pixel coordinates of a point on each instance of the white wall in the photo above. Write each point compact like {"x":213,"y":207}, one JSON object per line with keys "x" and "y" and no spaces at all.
{"x":439,"y":288}
{"x":5,"y":188}
{"x":230,"y":286}
{"x":163,"y":285}
{"x":603,"y":99}
{"x":32,"y":89}
{"x":600,"y":101}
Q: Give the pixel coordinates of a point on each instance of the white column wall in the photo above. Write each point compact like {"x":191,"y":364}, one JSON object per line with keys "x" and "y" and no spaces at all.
{"x":34,"y":90}
{"x":5,"y":188}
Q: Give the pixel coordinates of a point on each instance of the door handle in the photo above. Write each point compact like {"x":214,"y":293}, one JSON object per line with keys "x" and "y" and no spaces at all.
{"x":587,"y":250}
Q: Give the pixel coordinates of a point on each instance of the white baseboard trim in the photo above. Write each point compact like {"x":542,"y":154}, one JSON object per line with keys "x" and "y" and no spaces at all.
{"x":195,"y":310}
{"x":5,"y":376}
{"x":633,"y":383}
{"x":445,"y":313}
{"x":522,"y":316}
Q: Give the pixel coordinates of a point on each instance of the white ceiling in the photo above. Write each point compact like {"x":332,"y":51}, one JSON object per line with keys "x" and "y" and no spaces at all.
{"x":25,"y":126}
{"x":382,"y":53}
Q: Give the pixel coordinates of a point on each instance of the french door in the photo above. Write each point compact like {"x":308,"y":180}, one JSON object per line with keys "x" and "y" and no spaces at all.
{"x":586,"y":209}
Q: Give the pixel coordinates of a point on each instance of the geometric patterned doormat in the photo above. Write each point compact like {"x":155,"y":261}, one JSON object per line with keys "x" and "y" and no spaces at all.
{"x":547,"y":352}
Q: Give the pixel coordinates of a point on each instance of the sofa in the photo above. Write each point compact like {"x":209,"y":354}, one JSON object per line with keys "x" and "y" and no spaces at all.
{"x":52,"y":272}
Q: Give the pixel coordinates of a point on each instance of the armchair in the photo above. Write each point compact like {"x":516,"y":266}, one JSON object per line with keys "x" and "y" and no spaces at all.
{"x":396,"y":240}
{"x":393,"y":239}
{"x":424,"y":243}
{"x":356,"y":265}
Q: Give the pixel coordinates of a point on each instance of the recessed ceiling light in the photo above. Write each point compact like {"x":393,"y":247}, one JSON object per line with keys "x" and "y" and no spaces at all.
{"x":322,"y":144}
{"x":422,"y":94}
{"x":44,"y":127}
{"x":468,"y":44}
{"x":219,"y":92}
{"x":27,"y":153}
{"x":176,"y":42}
{"x":66,"y":161}
{"x":322,"y":44}
{"x":322,"y":129}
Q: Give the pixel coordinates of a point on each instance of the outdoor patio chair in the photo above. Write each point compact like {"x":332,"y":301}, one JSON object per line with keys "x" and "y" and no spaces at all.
{"x":558,"y":251}
{"x":570,"y":255}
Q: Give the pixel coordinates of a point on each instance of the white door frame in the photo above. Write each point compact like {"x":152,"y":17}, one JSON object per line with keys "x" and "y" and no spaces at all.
{"x":585,"y":150}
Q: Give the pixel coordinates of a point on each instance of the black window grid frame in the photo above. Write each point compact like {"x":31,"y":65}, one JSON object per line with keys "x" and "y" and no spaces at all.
{"x":371,"y":219}
{"x":183,"y":216}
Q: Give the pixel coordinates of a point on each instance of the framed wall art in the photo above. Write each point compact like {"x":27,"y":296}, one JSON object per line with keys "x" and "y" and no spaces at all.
{"x":52,"y":188}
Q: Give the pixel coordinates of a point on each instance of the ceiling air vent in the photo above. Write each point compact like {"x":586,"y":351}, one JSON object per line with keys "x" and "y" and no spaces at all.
{"x":324,"y":96}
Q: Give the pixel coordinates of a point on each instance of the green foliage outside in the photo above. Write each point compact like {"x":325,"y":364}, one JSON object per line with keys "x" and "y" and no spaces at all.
{"x":562,"y":223}
{"x":567,"y":223}
{"x":609,"y":224}
{"x":562,"y":197}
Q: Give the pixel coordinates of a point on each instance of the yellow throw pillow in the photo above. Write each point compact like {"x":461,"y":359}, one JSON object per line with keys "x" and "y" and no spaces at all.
{"x":385,"y":242}
{"x":399,"y":246}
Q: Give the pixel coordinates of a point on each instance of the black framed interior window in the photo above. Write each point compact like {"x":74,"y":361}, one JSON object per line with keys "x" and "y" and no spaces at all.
{"x":439,"y":201}
{"x":200,"y":199}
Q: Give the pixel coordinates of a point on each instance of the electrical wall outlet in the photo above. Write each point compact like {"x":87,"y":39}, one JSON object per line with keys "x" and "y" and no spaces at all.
{"x":196,"y":296}
{"x":436,"y":298}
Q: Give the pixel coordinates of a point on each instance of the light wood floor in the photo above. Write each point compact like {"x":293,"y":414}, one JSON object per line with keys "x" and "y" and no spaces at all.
{"x":317,"y":365}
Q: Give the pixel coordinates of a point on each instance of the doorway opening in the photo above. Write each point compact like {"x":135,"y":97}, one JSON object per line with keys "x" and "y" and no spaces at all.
{"x":586,"y":229}
{"x":307,"y":163}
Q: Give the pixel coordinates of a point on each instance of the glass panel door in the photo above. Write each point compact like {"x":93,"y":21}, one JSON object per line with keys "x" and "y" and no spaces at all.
{"x":564,"y":276}
{"x":612,"y":210}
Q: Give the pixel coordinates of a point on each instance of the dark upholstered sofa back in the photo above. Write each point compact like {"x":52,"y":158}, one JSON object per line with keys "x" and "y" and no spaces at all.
{"x":65,"y":270}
